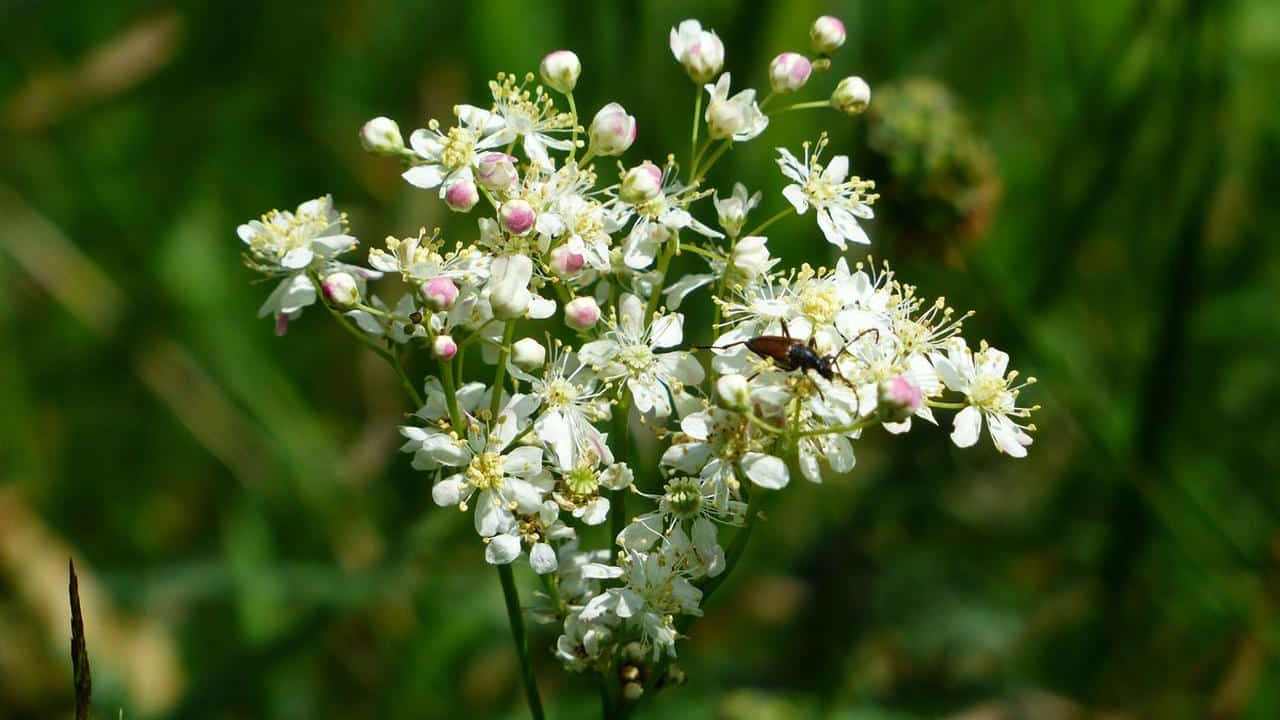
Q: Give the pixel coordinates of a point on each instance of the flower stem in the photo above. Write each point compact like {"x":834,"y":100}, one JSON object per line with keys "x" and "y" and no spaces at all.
{"x":697,"y":112}
{"x":451,"y":396}
{"x":711,"y":161}
{"x":664,"y":262}
{"x":516,"y":618}
{"x":573,"y":110}
{"x":765,"y":225}
{"x":803,"y":106}
{"x":618,"y":498}
{"x":500,"y":374}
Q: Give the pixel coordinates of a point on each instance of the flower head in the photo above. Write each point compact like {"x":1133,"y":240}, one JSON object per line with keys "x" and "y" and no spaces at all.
{"x":839,"y":200}
{"x":699,"y":51}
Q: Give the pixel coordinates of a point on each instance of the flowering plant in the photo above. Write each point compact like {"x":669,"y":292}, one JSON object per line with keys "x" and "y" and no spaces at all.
{"x":537,"y":446}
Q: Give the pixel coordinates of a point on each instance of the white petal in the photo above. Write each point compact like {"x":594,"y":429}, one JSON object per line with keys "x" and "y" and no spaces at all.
{"x":522,"y":461}
{"x":502,"y":550}
{"x":765,"y":470}
{"x":597,"y":571}
{"x":424,"y":176}
{"x":837,"y":170}
{"x":968,"y":423}
{"x":492,"y":517}
{"x":688,"y":458}
{"x":542,"y":558}
{"x":667,"y":331}
{"x":297,"y":258}
{"x":596,"y":511}
{"x":449,"y":492}
{"x":795,"y":195}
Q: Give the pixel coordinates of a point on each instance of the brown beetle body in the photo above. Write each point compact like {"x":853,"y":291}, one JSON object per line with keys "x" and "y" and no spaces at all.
{"x":791,"y":354}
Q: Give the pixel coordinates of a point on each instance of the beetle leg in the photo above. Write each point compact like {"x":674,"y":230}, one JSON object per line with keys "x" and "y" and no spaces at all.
{"x":785,"y":332}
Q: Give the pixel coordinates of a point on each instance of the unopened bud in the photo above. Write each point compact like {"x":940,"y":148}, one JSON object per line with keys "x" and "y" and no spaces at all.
{"x":509,"y":294}
{"x":827,"y":35}
{"x":581,"y":313}
{"x":382,"y":135}
{"x":899,"y":399}
{"x":496,"y":171}
{"x":612,"y":130}
{"x":789,"y":72}
{"x":851,"y":96}
{"x":560,"y":71}
{"x":565,"y":261}
{"x":641,"y":183}
{"x":462,"y":196}
{"x":517,"y":216}
{"x":341,"y":289}
{"x":440,"y":293}
{"x":734,"y":392}
{"x":700,"y":51}
{"x":444,"y":347}
{"x":632,"y":691}
{"x":528,"y":354}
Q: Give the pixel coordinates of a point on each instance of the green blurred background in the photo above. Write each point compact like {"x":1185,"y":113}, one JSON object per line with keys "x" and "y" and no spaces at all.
{"x":1095,"y":178}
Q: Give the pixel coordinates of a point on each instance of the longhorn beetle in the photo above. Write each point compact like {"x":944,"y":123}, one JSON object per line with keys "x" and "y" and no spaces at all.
{"x":790,"y":354}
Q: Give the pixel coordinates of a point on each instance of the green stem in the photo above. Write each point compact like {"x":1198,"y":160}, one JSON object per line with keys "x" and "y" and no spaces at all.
{"x":697,"y":157}
{"x":618,"y":498}
{"x":947,"y":405}
{"x":451,"y":397}
{"x":697,"y":113}
{"x":500,"y":374}
{"x":516,"y":618}
{"x":664,"y":262}
{"x":803,"y":106}
{"x":765,"y":225}
{"x":573,"y":110}
{"x":363,"y":338}
{"x":711,"y":162}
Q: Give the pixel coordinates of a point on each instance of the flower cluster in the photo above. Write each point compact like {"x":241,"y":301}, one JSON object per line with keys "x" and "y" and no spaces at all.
{"x":533,"y":437}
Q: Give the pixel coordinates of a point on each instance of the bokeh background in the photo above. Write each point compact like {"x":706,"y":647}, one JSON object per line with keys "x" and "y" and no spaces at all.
{"x":1097,"y":179}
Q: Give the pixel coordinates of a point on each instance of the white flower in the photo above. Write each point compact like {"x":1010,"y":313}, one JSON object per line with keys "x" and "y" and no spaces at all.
{"x":292,"y":244}
{"x":699,"y":51}
{"x":737,"y":117}
{"x":838,"y":199}
{"x":685,"y":502}
{"x":529,"y":115}
{"x":989,"y":393}
{"x":732,"y":210}
{"x":570,"y":400}
{"x":627,"y":352}
{"x":528,"y":354}
{"x":445,"y":158}
{"x":724,"y":446}
{"x":283,"y":242}
{"x":657,"y":219}
{"x":656,"y":589}
{"x":582,"y":642}
{"x":419,"y":260}
{"x":506,"y":479}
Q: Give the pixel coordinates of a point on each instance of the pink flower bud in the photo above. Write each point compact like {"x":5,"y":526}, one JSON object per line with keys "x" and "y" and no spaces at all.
{"x":560,"y":71}
{"x":789,"y":72}
{"x":340,"y":289}
{"x":517,"y":216}
{"x":827,"y":35}
{"x":642,"y":183}
{"x":899,"y":399}
{"x":496,"y":171}
{"x":612,"y":130}
{"x":444,"y":347}
{"x":461,"y":196}
{"x":565,"y":261}
{"x":700,"y":51}
{"x":440,"y":292}
{"x":581,"y":313}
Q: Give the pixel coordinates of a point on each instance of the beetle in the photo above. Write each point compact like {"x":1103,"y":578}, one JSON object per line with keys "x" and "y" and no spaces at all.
{"x":788,"y":353}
